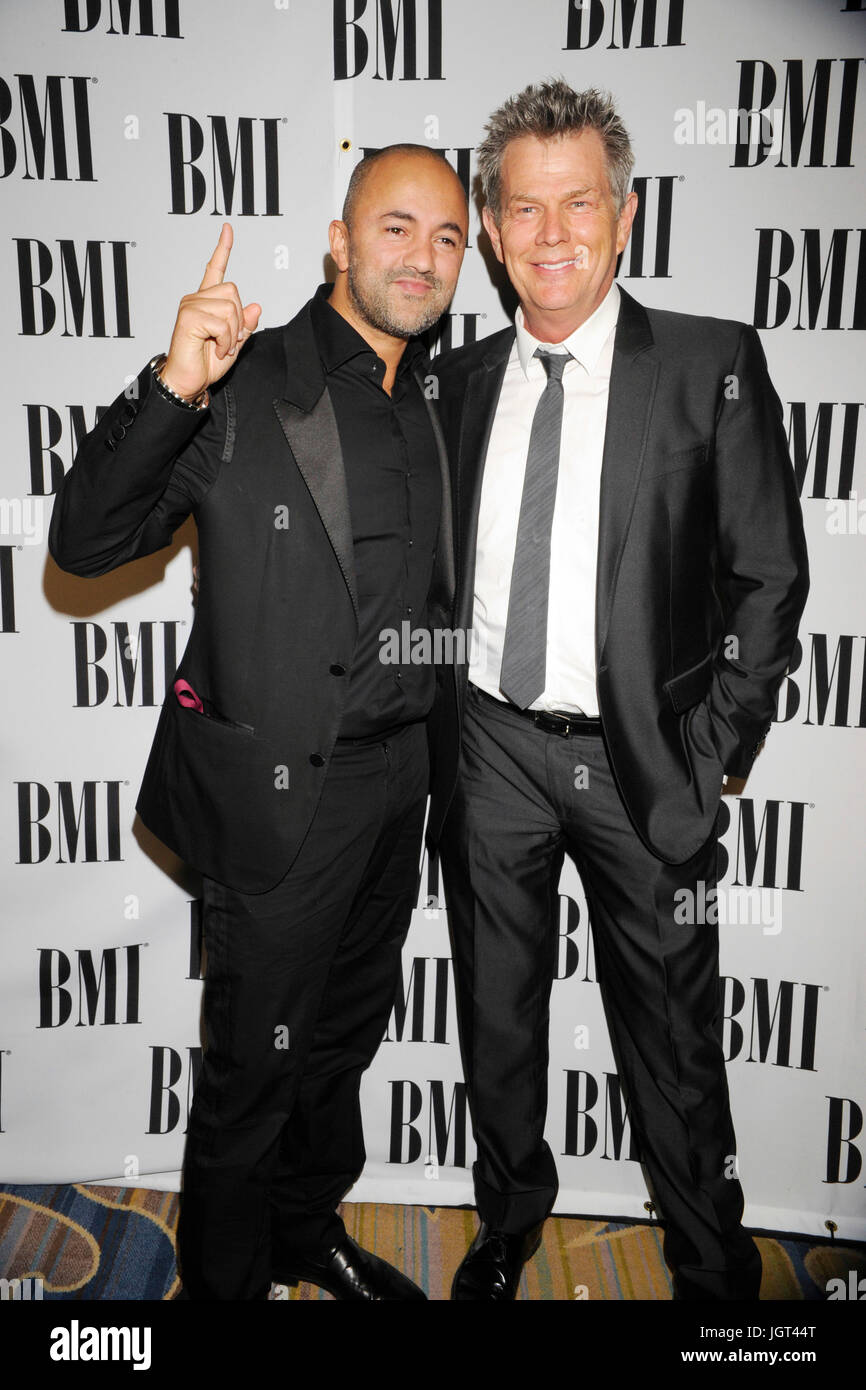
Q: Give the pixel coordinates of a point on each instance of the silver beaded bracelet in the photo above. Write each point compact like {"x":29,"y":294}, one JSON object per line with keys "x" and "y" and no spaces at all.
{"x":202,"y":400}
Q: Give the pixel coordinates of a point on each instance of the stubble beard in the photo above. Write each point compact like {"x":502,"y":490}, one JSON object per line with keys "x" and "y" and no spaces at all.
{"x":370,"y":301}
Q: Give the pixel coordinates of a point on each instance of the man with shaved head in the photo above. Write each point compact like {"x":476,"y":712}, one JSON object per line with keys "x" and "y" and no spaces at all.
{"x":290,"y":762}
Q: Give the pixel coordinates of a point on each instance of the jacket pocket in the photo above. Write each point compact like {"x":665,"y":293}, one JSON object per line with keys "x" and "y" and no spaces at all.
{"x":200,"y":707}
{"x":690,"y":686}
{"x":692,"y":457}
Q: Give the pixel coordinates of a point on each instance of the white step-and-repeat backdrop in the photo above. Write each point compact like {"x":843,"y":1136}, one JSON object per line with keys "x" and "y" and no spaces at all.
{"x":129,"y":129}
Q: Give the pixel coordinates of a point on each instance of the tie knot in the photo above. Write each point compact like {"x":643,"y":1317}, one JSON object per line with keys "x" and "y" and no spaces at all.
{"x":553,"y":362}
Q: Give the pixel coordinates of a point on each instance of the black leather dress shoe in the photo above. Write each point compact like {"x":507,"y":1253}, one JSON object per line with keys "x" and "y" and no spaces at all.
{"x":353,"y":1274}
{"x":493,"y":1264}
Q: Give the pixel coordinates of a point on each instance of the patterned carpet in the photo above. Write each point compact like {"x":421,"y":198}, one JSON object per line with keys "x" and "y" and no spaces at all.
{"x":111,"y":1243}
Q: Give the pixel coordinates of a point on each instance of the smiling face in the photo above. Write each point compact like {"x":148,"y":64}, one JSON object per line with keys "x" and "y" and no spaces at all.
{"x":559,"y":234}
{"x":402,"y":253}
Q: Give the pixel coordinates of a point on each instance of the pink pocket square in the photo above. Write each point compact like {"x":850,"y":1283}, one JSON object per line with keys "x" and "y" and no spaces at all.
{"x":187,"y":696}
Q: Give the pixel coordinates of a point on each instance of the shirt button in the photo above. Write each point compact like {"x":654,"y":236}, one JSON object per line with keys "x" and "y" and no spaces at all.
{"x":337,"y":669}
{"x":410,"y":542}
{"x":317,"y":760}
{"x":409,"y":610}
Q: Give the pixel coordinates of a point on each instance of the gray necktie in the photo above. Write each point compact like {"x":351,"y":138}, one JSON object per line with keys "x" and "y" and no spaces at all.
{"x":524,"y":653}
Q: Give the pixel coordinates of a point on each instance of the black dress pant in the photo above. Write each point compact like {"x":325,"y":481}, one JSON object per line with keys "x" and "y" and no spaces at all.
{"x":524,"y":799}
{"x":299,"y":984}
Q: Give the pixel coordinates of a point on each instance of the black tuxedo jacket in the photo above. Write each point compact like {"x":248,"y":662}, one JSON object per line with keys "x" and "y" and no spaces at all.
{"x":700,"y":541}
{"x":233,"y":790}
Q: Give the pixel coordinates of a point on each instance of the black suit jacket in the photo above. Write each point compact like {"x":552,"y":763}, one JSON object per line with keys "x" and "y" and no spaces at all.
{"x":700,"y":541}
{"x":277,"y":616}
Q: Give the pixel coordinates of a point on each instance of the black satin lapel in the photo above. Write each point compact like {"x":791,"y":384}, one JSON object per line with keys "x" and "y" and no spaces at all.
{"x":442,"y":582}
{"x":315,"y":444}
{"x":479,"y":408}
{"x":630,"y":402}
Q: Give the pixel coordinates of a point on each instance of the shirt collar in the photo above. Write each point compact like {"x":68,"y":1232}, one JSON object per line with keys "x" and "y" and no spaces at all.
{"x":338,"y":341}
{"x":585,"y":343}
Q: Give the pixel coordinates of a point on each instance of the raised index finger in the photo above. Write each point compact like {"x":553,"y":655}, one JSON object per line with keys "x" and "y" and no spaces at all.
{"x":215,"y":269}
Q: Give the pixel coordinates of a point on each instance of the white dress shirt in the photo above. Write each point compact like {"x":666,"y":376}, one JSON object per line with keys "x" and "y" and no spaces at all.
{"x":570,"y":670}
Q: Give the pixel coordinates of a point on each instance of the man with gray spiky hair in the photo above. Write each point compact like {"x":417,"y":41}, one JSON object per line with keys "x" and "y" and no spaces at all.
{"x":630,"y":552}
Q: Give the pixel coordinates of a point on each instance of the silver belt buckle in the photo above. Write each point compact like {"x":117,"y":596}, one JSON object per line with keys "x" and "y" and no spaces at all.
{"x":554,"y":723}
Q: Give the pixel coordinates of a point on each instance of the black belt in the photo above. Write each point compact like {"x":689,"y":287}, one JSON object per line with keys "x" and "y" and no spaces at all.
{"x":565,"y":724}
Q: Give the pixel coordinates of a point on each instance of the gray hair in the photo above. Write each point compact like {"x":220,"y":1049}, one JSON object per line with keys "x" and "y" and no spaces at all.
{"x":550,"y":109}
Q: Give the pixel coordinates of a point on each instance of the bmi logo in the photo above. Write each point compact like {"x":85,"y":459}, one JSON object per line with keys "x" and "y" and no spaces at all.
{"x":45,"y":133}
{"x":85,"y":822}
{"x":7,"y":590}
{"x":766,"y":853}
{"x":397,"y":38}
{"x":826,"y":268}
{"x":88,"y":279}
{"x":416,"y":1117}
{"x":171,"y":1077}
{"x":584,"y":1126}
{"x":575,"y":942}
{"x":422,"y":1002}
{"x":44,"y":433}
{"x":844,"y":1125}
{"x":99,"y":992}
{"x":811,"y":100}
{"x":821,"y":433}
{"x":783,"y":1033}
{"x":630,"y":24}
{"x":82,"y":17}
{"x":834,"y":692}
{"x":422,"y":1005}
{"x":138,"y":662}
{"x":452,"y":330}
{"x":242,"y":165}
{"x":650,"y":241}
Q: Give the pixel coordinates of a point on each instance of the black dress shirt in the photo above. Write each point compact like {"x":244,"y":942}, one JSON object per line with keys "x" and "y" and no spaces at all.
{"x":395,"y":496}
